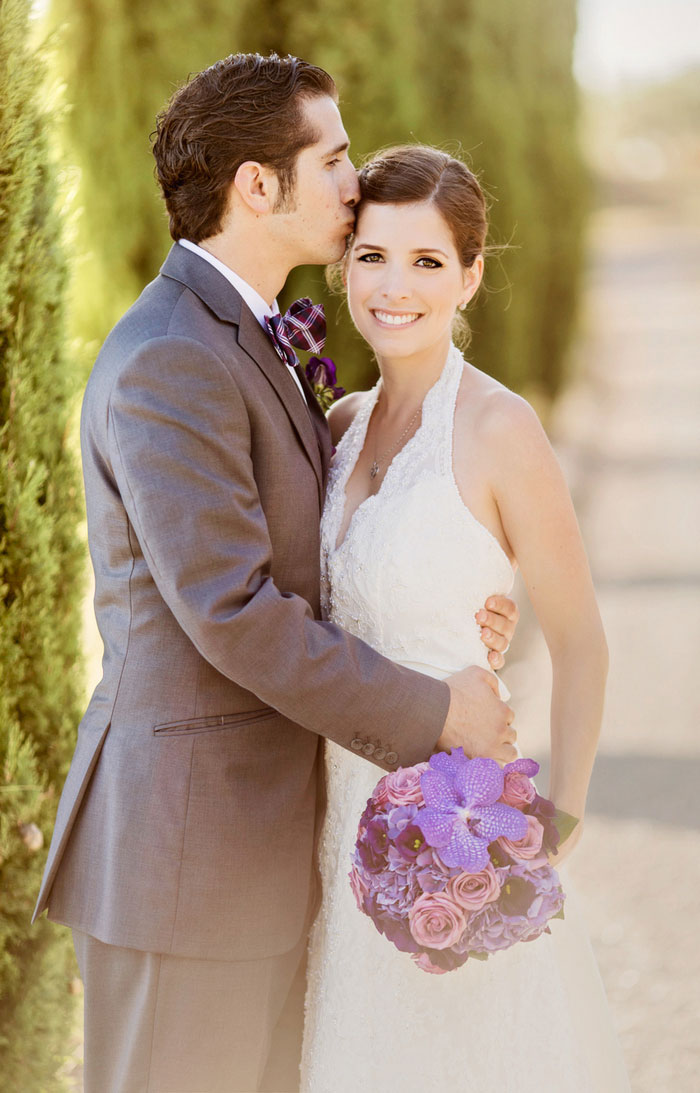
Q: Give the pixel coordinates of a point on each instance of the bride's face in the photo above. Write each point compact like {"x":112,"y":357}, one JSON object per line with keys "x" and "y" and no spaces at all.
{"x":405,"y":279}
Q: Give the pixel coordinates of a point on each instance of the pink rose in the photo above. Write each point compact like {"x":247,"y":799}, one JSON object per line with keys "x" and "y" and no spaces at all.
{"x":527,"y":848}
{"x":359,"y":888}
{"x":436,"y":921}
{"x":379,"y":795}
{"x":423,"y":961}
{"x":403,"y":785}
{"x":518,"y":790}
{"x":473,"y":890}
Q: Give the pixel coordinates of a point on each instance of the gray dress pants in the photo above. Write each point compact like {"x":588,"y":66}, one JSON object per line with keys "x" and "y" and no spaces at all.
{"x":166,"y":1024}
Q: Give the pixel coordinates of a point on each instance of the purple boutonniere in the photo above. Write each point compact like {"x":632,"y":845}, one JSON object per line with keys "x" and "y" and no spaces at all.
{"x":320,"y":372}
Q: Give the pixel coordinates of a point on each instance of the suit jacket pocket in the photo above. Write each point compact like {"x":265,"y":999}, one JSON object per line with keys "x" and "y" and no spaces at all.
{"x":214,"y":722}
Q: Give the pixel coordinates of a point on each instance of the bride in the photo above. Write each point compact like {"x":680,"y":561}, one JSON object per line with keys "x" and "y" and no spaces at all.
{"x":442,"y":484}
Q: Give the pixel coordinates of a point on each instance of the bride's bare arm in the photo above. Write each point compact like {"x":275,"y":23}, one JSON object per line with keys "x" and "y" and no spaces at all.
{"x":540,"y":525}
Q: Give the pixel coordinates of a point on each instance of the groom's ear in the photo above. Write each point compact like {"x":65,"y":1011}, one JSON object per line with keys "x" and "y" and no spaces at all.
{"x":256,"y":186}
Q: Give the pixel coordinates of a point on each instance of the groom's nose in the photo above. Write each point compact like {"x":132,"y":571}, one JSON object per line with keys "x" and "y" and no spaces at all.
{"x":351,"y":188}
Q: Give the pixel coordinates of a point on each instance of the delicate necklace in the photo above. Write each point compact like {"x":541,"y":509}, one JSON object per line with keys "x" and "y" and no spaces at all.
{"x":374,"y":469}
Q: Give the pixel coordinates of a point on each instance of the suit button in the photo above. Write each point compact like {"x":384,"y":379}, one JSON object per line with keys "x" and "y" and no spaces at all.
{"x":356,"y":744}
{"x":368,"y":749}
{"x":379,"y":754}
{"x":391,"y":758}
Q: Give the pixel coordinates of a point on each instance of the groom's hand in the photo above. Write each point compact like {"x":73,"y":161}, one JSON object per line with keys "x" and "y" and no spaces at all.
{"x":498,"y":619}
{"x":477,"y":719}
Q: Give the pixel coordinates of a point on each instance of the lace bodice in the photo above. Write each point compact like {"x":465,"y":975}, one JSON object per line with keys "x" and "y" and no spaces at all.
{"x":415,"y":565}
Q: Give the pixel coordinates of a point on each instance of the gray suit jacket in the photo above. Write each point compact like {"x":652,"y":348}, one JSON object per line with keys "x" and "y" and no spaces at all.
{"x":188,"y":818}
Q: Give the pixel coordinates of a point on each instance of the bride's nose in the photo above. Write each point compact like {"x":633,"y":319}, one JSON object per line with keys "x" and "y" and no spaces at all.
{"x":395,"y":285}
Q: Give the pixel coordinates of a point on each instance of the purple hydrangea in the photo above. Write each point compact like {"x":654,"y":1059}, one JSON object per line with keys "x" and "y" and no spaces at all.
{"x":520,"y":914}
{"x":463,"y":814}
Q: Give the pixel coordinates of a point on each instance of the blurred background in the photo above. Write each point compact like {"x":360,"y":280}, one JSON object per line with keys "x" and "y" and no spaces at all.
{"x":583,"y":123}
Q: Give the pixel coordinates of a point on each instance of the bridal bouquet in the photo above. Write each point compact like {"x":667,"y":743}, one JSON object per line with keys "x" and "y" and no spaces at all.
{"x":451,"y":859}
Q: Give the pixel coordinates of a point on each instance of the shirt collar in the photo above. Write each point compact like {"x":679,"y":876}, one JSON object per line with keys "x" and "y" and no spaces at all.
{"x":252,"y":298}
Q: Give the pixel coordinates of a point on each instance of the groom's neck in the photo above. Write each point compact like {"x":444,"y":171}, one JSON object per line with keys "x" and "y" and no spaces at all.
{"x":252,"y":257}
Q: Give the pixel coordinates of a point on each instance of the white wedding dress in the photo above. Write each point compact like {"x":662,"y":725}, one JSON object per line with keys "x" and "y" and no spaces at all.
{"x":411,"y":572}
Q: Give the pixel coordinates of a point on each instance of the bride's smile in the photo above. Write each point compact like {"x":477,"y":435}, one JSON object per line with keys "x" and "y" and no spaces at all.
{"x":405,"y":281}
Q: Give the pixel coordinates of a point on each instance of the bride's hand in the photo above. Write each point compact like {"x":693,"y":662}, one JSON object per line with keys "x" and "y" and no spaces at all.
{"x":498,"y":620}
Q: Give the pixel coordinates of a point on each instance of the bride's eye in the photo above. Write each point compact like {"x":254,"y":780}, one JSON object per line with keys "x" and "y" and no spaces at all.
{"x":430,"y":263}
{"x":371,"y":257}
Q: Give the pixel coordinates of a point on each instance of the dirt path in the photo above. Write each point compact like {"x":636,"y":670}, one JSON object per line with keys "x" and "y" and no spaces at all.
{"x":629,"y":435}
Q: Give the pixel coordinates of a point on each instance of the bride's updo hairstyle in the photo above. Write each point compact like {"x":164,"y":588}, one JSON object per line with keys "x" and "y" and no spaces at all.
{"x":409,"y":173}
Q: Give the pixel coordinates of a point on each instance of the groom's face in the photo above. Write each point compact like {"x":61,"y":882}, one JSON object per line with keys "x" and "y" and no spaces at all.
{"x":316,"y":221}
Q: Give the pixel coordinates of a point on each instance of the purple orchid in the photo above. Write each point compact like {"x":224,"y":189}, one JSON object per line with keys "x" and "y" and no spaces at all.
{"x":529,"y":767}
{"x":463,"y":814}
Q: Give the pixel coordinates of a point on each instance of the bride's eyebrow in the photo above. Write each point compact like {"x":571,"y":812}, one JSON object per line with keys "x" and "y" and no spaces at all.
{"x":416,"y":250}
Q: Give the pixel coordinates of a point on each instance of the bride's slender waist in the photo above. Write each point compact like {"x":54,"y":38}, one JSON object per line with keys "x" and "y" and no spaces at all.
{"x":443,"y":673}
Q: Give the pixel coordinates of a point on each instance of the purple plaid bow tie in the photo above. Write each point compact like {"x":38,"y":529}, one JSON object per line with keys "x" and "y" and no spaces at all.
{"x":303,"y":326}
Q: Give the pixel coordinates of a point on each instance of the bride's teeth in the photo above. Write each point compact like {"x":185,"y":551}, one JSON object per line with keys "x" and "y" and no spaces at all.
{"x":395,"y":320}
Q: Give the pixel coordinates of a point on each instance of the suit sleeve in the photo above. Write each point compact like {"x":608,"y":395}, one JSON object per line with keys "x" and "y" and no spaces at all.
{"x":180,"y":453}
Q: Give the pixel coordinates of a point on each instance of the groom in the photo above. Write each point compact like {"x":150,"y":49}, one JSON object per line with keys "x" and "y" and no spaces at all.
{"x":183,"y":854}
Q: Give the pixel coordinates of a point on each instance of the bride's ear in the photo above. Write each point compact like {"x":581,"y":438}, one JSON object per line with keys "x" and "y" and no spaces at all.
{"x":472,"y":279}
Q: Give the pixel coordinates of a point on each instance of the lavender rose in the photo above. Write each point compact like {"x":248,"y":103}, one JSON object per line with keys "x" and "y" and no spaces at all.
{"x":425,"y":963}
{"x":379,"y":794}
{"x":436,"y":921}
{"x":518,"y":790}
{"x":527,"y":848}
{"x":403,"y":785}
{"x":473,"y":890}
{"x":359,"y":887}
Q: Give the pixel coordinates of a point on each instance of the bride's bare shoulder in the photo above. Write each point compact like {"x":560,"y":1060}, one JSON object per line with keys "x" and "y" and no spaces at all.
{"x":342,"y":413}
{"x":496,"y":416}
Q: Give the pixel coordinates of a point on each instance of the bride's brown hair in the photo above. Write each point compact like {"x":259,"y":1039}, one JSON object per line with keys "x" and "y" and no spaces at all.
{"x":416,"y":172}
{"x":408,"y":173}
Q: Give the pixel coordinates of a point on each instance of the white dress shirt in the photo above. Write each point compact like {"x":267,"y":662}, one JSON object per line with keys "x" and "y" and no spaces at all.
{"x":260,"y":308}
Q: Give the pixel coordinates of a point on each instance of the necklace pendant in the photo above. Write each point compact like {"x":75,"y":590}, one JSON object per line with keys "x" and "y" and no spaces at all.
{"x":374,"y":470}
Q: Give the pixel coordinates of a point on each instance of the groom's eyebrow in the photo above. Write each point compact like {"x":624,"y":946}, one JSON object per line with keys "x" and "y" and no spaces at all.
{"x":339,"y":148}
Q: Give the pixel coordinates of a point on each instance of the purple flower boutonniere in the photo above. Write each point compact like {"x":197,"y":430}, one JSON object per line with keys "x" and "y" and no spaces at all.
{"x":320,"y":372}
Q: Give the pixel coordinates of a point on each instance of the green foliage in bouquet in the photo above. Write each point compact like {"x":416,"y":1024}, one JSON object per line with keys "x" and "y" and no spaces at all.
{"x":41,"y":565}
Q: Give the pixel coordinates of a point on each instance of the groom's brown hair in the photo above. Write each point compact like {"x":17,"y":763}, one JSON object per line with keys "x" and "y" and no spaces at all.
{"x":244,"y":107}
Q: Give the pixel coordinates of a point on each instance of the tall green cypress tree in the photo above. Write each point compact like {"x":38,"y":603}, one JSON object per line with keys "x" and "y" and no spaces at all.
{"x":120,"y":62}
{"x":489,"y":76}
{"x":41,"y":566}
{"x":498,"y":79}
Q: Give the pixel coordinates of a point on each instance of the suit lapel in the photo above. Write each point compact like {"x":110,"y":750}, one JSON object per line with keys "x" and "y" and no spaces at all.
{"x":221,"y":297}
{"x":320,"y":425}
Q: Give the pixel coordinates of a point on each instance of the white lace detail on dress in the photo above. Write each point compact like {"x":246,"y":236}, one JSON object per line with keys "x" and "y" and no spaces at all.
{"x":414,"y":567}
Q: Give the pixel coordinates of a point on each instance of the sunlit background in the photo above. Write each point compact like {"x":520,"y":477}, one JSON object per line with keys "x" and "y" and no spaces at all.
{"x":592,"y":311}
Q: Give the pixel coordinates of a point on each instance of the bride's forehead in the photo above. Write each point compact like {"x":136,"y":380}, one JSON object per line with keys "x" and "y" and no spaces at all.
{"x":400,"y":222}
